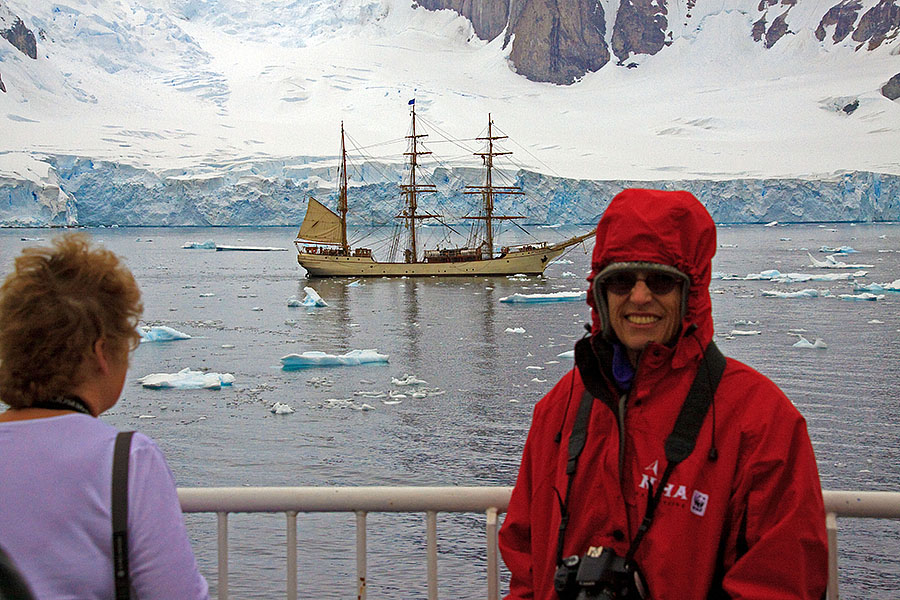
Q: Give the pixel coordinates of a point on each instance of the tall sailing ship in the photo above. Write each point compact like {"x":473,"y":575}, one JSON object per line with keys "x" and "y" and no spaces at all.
{"x":324,"y":251}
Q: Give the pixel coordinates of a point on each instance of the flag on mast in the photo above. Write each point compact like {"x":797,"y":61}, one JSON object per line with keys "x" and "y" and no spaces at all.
{"x":412,"y":102}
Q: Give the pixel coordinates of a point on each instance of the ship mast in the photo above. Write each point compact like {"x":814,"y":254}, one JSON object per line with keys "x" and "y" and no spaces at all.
{"x":342,"y":197}
{"x":412,"y":189}
{"x":488,"y":190}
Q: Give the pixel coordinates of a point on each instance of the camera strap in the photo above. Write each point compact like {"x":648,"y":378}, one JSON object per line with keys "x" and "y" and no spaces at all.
{"x":678,"y":446}
{"x":121,"y":454}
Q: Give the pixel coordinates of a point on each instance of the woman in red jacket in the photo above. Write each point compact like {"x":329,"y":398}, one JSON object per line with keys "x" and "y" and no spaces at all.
{"x":740,"y":517}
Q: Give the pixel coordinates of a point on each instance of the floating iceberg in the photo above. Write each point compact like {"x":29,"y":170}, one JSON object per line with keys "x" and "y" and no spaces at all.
{"x":745,"y":332}
{"x":877,"y":288}
{"x":408,"y":380}
{"x":840,"y":250}
{"x":805,"y":343}
{"x":312,"y":299}
{"x":566,"y":354}
{"x":808,"y":293}
{"x":160,"y":333}
{"x":554,"y":297}
{"x":207,"y":245}
{"x":280,"y":408}
{"x":515,"y":330}
{"x":314,"y":358}
{"x":219,"y":248}
{"x":186,"y":379}
{"x":863,"y":296}
{"x":831,"y":262}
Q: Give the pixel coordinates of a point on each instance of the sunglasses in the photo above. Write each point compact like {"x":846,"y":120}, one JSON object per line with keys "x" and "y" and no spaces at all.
{"x":623,"y":282}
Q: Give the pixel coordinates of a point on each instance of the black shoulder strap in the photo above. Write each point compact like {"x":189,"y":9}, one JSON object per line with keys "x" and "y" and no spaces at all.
{"x":683,"y":438}
{"x":576,"y":444}
{"x":120,"y":514}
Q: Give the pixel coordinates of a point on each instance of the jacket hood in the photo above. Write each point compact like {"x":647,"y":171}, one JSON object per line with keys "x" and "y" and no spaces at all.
{"x":666,"y":228}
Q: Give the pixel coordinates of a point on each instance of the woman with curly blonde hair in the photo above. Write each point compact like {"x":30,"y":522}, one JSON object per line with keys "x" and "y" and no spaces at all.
{"x":68,"y":318}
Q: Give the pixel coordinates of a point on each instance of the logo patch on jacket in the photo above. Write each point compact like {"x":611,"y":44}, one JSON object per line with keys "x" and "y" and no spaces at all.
{"x":698,"y":503}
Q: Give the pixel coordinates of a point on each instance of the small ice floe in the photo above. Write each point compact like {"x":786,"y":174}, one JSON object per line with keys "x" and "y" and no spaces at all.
{"x":354,"y":283}
{"x":534,"y":368}
{"x":280,"y":408}
{"x":831,"y":262}
{"x":207,"y":245}
{"x":553,"y":297}
{"x":744,"y":322}
{"x":207,"y":295}
{"x":515,"y":330}
{"x":536,"y":380}
{"x":561,"y":261}
{"x":256,"y":309}
{"x":315,"y":358}
{"x":366,"y":394}
{"x":727,"y":245}
{"x":805,"y":343}
{"x":866,"y":296}
{"x":362,"y":406}
{"x":408,"y":380}
{"x":391,"y":402}
{"x":785,"y":239}
{"x":839,"y":249}
{"x":875,"y":322}
{"x":160,"y":333}
{"x":771,"y":224}
{"x":293,"y":301}
{"x":567,"y":354}
{"x":186,"y":379}
{"x":146,"y":416}
{"x":568,"y":274}
{"x":228,"y":346}
{"x":808,"y":293}
{"x":220,"y":247}
{"x":312,"y":299}
{"x":876,"y":288}
{"x":745,"y":332}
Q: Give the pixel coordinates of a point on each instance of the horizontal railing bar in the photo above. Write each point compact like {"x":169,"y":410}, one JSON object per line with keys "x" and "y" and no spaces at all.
{"x":874,"y":505}
{"x":343,"y":499}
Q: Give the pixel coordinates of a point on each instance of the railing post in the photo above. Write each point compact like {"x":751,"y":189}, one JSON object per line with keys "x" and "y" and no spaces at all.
{"x":222,"y":526}
{"x":831,"y":527}
{"x":493,"y":571}
{"x":361,"y":555}
{"x":292,"y":555}
{"x":431,"y":551}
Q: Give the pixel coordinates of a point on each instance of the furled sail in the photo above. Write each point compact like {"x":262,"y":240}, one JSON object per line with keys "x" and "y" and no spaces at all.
{"x":320,"y":224}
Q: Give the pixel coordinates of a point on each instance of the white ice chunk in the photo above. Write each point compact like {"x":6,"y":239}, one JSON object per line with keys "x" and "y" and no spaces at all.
{"x":280,"y":408}
{"x":160,"y":333}
{"x":808,"y":293}
{"x":293,"y":301}
{"x":831,"y":262}
{"x":863,"y":296}
{"x":220,"y":248}
{"x":186,"y":379}
{"x":408,"y":380}
{"x":354,"y":283}
{"x":315,"y":358}
{"x":567,"y":354}
{"x":313,"y":298}
{"x":515,"y":330}
{"x":553,"y":297}
{"x":207,"y":245}
{"x":805,"y":343}
{"x":841,"y":249}
{"x":771,"y":224}
{"x":745,"y":332}
{"x":876,"y":288}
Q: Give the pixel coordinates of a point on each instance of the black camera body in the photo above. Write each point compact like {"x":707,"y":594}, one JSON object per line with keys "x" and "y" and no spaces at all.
{"x":600,"y":574}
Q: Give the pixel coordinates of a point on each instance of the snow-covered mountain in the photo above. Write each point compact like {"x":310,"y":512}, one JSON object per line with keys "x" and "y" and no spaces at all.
{"x":228,"y":112}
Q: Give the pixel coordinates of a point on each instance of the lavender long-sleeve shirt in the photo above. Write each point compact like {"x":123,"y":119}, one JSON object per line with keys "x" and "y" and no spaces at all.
{"x":55,"y":516}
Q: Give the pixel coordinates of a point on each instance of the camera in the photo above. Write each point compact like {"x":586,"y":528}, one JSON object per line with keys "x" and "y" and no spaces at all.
{"x":598,"y":575}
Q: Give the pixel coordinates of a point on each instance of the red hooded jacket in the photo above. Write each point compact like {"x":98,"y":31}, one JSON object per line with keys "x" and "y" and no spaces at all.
{"x":748,"y":524}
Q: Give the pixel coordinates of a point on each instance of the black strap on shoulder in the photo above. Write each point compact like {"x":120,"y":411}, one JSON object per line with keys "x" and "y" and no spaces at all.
{"x":678,"y":446}
{"x":120,"y":514}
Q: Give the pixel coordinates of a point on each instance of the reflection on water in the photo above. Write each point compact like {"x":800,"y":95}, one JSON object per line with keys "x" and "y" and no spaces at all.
{"x":452,"y":333}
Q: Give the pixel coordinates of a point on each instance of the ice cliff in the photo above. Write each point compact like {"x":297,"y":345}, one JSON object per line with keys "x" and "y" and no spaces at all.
{"x":52,"y":190}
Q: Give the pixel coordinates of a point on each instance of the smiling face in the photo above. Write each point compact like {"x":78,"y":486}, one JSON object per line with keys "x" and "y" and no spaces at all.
{"x":640,"y":316}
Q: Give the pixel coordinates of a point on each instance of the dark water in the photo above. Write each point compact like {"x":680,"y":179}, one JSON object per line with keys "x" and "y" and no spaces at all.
{"x":483,"y":383}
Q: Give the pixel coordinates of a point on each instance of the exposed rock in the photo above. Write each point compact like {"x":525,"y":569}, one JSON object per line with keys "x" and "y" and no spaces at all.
{"x":640,"y":28}
{"x":2,"y":87}
{"x":20,"y":36}
{"x":842,"y":17}
{"x":770,"y":34}
{"x":558,"y":41}
{"x":488,"y":19}
{"x":891,"y":90}
{"x":879,"y":23}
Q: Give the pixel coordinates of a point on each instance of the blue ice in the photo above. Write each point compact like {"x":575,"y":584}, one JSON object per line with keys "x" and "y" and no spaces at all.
{"x":160,"y":333}
{"x":207,"y":245}
{"x":554,"y":297}
{"x":315,"y":358}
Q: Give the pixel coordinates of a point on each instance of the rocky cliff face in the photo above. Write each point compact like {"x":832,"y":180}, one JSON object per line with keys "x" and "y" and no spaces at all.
{"x":13,"y":30}
{"x":560,"y":41}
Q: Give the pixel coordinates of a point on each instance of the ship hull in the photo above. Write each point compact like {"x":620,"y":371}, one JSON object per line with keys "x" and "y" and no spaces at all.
{"x":528,"y":262}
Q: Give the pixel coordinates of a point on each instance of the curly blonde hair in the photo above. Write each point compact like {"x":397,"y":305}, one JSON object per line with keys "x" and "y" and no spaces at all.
{"x":57,"y":302}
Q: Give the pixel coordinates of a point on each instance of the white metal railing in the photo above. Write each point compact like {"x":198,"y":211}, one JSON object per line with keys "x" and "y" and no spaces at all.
{"x":491,"y":501}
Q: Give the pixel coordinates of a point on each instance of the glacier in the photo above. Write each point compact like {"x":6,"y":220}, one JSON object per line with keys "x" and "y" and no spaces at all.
{"x":65,"y":190}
